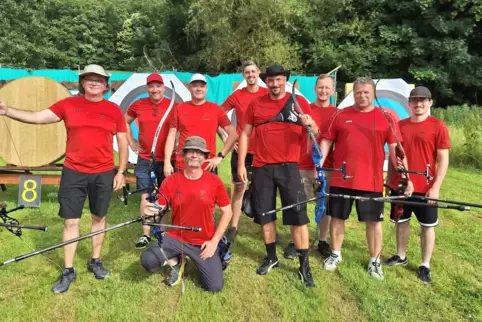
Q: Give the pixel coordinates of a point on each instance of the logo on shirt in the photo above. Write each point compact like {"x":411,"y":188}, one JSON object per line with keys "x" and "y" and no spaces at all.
{"x":205,"y":116}
{"x":78,"y":110}
{"x":348,"y":121}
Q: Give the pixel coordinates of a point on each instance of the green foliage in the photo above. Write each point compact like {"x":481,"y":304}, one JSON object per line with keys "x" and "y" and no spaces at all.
{"x":465,"y":129}
{"x":431,"y":43}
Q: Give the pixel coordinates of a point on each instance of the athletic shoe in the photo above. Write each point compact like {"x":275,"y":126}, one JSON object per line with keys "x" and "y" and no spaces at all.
{"x":97,"y":267}
{"x":332,"y":262}
{"x":375,"y":270}
{"x":290,"y":251}
{"x":266,"y":266}
{"x":177,"y":272}
{"x":396,"y":260}
{"x":143,"y":242}
{"x":424,"y":274}
{"x":324,"y":248}
{"x":305,"y":275}
{"x":63,"y":283}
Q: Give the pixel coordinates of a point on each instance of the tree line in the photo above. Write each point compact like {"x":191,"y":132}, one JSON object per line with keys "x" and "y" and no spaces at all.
{"x":431,"y":43}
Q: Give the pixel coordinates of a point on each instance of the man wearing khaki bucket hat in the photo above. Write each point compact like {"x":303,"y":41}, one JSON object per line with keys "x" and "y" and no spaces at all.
{"x":193,"y":194}
{"x":91,"y":122}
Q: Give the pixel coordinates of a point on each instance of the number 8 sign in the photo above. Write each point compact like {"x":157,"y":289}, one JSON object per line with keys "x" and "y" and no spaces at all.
{"x":29,"y":191}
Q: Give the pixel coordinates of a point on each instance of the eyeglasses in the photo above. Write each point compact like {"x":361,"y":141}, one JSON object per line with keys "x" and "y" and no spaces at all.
{"x":92,"y":81}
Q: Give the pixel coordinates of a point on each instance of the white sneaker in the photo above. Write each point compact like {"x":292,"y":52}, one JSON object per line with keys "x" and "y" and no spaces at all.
{"x":375,"y":270}
{"x":331,"y":262}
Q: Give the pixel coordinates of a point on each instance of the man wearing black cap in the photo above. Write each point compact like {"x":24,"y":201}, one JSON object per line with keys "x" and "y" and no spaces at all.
{"x":426,"y":141}
{"x":148,"y":111}
{"x":193,"y":194}
{"x":279,"y":132}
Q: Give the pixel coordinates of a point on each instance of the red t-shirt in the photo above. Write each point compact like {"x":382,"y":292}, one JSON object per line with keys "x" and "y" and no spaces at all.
{"x":276,"y":142}
{"x":421,"y":141}
{"x":200,"y":120}
{"x":239,"y":100}
{"x":321,"y":116}
{"x":90,"y":129}
{"x":192,"y":203}
{"x":149,"y":115}
{"x":360,"y":139}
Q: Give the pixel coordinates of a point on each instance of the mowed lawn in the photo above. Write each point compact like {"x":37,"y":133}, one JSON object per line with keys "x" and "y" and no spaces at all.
{"x":131,"y":294}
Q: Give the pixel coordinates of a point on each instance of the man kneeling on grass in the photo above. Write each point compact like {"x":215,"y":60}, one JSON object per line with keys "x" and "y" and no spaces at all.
{"x":192,"y":194}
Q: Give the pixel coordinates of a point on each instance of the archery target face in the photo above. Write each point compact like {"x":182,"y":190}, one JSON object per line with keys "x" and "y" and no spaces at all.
{"x":134,"y":88}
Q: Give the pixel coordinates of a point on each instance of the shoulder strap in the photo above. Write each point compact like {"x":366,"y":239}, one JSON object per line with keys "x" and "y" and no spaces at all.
{"x":287,"y":114}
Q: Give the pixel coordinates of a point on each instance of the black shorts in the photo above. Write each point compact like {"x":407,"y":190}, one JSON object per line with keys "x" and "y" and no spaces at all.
{"x":286,"y":177}
{"x":142,"y":173}
{"x":248,"y":162}
{"x":74,"y":188}
{"x":426,"y":216}
{"x":367,"y":211}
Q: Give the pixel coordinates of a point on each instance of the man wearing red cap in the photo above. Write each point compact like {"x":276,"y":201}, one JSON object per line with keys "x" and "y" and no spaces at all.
{"x":148,"y":111}
{"x":198,"y":117}
{"x":426,"y":140}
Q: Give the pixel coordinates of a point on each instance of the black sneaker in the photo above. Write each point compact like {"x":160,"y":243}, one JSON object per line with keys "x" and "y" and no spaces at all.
{"x":305,"y":275}
{"x":98,"y":269}
{"x":324,"y":249}
{"x":266,"y":266}
{"x":396,"y":260}
{"x":143,"y":242}
{"x":424,"y":274}
{"x":177,"y":272}
{"x":290,"y":251}
{"x":63,"y":283}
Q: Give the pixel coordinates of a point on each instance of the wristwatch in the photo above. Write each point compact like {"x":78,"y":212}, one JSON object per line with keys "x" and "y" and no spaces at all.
{"x":220,"y":155}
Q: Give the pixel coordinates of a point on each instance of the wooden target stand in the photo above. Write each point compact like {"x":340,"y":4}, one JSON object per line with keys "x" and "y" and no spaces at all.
{"x":32,"y":151}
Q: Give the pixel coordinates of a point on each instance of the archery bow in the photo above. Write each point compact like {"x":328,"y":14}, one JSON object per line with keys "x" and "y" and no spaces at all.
{"x":10,"y":223}
{"x":317,"y":156}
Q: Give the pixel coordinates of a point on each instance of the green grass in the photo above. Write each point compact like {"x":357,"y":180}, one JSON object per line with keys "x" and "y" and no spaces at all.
{"x":131,"y":294}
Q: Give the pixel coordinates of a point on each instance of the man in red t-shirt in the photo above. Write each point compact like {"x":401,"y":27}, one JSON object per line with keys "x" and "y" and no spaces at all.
{"x":193,"y":194}
{"x":279,"y":132}
{"x":148,"y":112}
{"x":198,"y":117}
{"x":239,"y":101}
{"x":91,"y":122}
{"x":359,"y":133}
{"x":426,"y":141}
{"x":321,"y":112}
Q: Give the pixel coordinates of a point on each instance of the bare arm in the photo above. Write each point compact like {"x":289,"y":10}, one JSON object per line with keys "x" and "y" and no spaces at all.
{"x":325,"y":149}
{"x":232,"y":138}
{"x":243,"y":143}
{"x":442,"y":166}
{"x":45,"y":116}
{"x":130,"y":137}
{"x":123,"y":151}
{"x":169,"y":147}
{"x":226,"y":214}
{"x":222,"y":135}
{"x":394,"y":160}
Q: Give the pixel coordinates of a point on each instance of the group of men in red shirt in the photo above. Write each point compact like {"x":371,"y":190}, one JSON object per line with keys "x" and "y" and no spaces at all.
{"x":272,"y":146}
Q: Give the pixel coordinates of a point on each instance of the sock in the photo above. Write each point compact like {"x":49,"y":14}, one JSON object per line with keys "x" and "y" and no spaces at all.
{"x":374,"y":259}
{"x":71,"y":269}
{"x":402,"y":257}
{"x":302,"y":255}
{"x":323,"y":240}
{"x":271,"y":251}
{"x":337,"y":253}
{"x":427,"y":265}
{"x":94,"y":260}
